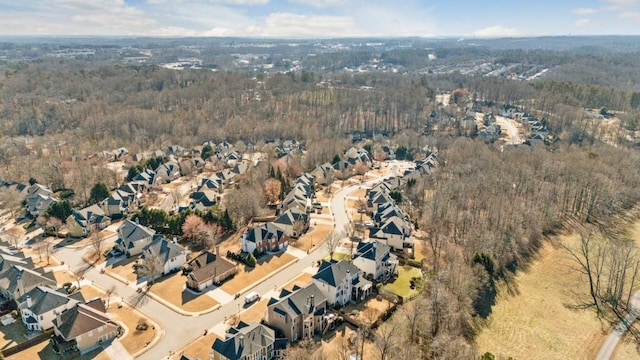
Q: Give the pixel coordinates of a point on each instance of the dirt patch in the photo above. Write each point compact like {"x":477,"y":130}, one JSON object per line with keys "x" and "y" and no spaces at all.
{"x":198,"y":349}
{"x":548,"y":329}
{"x":247,"y":276}
{"x":172,"y":289}
{"x":253,"y":313}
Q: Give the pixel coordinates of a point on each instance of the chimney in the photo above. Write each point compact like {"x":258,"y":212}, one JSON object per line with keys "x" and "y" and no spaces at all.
{"x":217,"y":251}
{"x":241,"y":341}
{"x":311,"y":300}
{"x":29,"y":303}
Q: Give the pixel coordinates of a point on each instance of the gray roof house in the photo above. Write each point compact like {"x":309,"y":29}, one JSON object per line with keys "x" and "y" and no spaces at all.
{"x":17,"y":281}
{"x":81,"y":222}
{"x":168,"y":172}
{"x":133,"y":237}
{"x":38,"y":307}
{"x":171,"y":256}
{"x":293,"y":222}
{"x":246,"y":341}
{"x":298,"y":314}
{"x":38,"y":199}
{"x":340,"y":282}
{"x":376,"y":260}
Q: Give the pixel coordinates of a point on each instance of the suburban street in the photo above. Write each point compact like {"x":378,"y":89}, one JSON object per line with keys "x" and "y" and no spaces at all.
{"x":180,"y":330}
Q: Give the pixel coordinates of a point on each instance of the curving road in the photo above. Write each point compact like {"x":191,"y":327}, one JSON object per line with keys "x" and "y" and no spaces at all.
{"x":610,"y":343}
{"x":180,"y":330}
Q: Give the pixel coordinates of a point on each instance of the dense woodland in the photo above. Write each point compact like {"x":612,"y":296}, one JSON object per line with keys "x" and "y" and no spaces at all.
{"x":485,"y":210}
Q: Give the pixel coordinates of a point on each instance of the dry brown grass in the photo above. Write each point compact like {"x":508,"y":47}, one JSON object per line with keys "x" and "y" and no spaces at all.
{"x":63,"y":277}
{"x":133,"y":340}
{"x":254,"y":312}
{"x":90,"y":292}
{"x":370,"y":309}
{"x":531,"y":319}
{"x":124,"y":269}
{"x":198,"y":349}
{"x":172,"y":289}
{"x":301,"y":280}
{"x":627,"y":349}
{"x":315,"y":236}
{"x":247,"y":276}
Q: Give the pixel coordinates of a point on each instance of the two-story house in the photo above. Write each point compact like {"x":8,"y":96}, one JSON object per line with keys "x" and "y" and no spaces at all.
{"x":133,"y":237}
{"x":38,"y":307}
{"x":375,"y":259}
{"x":18,"y":280}
{"x":298,"y":314}
{"x":264,"y":238}
{"x":246,"y":342}
{"x":81,"y":222}
{"x":340,"y":282}
{"x":82,"y":328}
{"x":171,"y":256}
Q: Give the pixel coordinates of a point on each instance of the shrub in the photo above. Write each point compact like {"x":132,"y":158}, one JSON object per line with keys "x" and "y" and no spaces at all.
{"x":142,"y":325}
{"x":414,"y":263}
{"x":354,"y":313}
{"x":71,"y":289}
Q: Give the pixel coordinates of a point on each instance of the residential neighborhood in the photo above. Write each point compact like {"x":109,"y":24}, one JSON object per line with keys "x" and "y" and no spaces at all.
{"x":117,"y":252}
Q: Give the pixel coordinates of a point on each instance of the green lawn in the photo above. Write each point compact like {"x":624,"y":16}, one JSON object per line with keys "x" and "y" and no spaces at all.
{"x":401,"y":286}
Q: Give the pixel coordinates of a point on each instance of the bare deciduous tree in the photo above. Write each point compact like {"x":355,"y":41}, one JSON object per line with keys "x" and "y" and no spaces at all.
{"x":149,"y":265}
{"x":332,"y":241}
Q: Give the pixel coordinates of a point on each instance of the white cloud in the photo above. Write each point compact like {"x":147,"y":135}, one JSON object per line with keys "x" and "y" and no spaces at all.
{"x":240,"y":2}
{"x":496,"y":31}
{"x":630,"y":15}
{"x":296,"y":25}
{"x":583,"y":23}
{"x":320,"y":3}
{"x":586,"y":11}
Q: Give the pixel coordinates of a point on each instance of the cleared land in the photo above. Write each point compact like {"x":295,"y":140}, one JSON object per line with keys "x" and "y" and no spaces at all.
{"x":247,"y":276}
{"x":531,"y":318}
{"x":172,"y":289}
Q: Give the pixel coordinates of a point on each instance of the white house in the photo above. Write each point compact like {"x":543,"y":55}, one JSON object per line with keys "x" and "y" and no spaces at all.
{"x":133,"y":237}
{"x":376,"y":259}
{"x":171,"y":256}
{"x":340,"y":282}
{"x":39,"y":307}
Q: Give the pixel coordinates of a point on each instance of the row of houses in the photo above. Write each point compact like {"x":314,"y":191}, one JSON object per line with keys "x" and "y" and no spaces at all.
{"x":305,"y":311}
{"x":291,"y":223}
{"x":79,"y":326}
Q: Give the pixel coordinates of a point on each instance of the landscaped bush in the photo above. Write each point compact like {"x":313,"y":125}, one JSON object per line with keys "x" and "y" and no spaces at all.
{"x":243,"y":257}
{"x":142,"y":325}
{"x":414,"y":263}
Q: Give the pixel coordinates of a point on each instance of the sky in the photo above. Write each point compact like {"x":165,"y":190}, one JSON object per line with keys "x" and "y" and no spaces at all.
{"x":320,"y":18}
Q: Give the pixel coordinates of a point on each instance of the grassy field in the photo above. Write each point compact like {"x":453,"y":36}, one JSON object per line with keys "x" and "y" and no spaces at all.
{"x":532,"y":317}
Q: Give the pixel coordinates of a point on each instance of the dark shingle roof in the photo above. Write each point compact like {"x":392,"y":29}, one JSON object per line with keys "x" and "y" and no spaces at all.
{"x":334,"y":273}
{"x":244,"y":340}
{"x":79,"y":320}
{"x":45,"y":299}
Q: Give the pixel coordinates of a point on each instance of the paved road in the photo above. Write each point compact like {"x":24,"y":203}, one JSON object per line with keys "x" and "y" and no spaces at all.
{"x":180,"y":330}
{"x":610,"y":343}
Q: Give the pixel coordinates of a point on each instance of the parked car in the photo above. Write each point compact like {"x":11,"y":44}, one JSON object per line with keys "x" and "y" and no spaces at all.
{"x":251,"y":297}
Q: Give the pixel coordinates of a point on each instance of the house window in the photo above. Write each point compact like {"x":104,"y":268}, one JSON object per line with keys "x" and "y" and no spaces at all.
{"x":41,"y":317}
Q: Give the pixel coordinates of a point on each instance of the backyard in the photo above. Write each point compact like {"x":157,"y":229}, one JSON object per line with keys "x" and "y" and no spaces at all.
{"x":402,"y":284}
